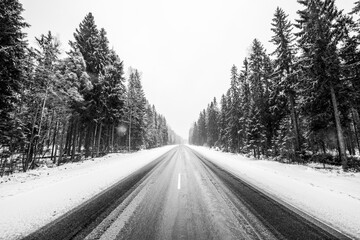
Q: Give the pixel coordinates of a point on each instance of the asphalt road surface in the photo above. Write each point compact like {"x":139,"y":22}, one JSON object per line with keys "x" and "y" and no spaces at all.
{"x":183,"y":195}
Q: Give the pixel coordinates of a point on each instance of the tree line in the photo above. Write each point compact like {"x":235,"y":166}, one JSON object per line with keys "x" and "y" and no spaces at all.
{"x":300,"y":102}
{"x":72,"y":107}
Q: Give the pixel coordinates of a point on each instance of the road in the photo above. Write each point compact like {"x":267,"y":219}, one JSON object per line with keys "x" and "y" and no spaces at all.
{"x":183,"y":195}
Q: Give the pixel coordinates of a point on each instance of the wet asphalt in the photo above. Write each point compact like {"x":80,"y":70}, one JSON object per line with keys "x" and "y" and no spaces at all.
{"x":183,"y":195}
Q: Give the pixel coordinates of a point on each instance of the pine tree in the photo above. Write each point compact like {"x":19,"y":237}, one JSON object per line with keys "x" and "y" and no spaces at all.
{"x":244,"y":104}
{"x":150,"y":133}
{"x":228,"y":116}
{"x":256,"y":136}
{"x":350,"y":73}
{"x":136,"y":106}
{"x":114,"y":88}
{"x":194,"y":135}
{"x":12,"y":55}
{"x":103,"y":52}
{"x":321,"y":29}
{"x":284,"y":62}
{"x":87,"y":41}
{"x":163,"y":131}
{"x":222,"y":142}
{"x":259,"y":91}
{"x":212,"y":123}
{"x":234,"y":112}
{"x":202,"y":128}
{"x":44,"y":93}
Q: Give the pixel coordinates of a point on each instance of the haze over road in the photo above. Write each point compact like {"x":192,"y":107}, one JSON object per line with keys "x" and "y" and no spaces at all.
{"x":182,"y":195}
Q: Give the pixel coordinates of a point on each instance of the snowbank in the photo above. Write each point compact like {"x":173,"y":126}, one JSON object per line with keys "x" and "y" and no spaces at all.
{"x":332,"y":196}
{"x":30,"y":200}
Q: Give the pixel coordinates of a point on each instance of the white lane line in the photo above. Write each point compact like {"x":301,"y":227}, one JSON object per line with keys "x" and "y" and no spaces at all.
{"x":179,"y":181}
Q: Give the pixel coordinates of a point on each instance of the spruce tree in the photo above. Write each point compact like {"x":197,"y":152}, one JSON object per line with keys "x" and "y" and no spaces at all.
{"x":87,"y":41}
{"x":194,"y":134}
{"x":136,"y":107}
{"x":202,"y":128}
{"x":259,"y":91}
{"x":244,"y":104}
{"x":103,"y":51}
{"x":114,"y":88}
{"x":12,"y":55}
{"x":212,"y":123}
{"x":283,"y":39}
{"x":234,"y":111}
{"x":321,"y":29}
{"x":223,"y":121}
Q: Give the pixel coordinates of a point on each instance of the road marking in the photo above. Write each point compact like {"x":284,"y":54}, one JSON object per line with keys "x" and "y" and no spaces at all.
{"x":179,"y":181}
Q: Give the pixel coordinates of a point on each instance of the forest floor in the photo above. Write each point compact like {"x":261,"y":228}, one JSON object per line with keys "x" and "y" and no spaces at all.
{"x":328,"y":194}
{"x":32,"y":199}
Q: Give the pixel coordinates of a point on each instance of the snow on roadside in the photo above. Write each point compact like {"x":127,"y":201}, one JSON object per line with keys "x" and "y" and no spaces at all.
{"x":332,"y":196}
{"x":30,"y":200}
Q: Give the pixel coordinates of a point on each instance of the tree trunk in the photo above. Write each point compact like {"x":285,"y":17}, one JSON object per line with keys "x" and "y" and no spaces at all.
{"x":75,"y":130}
{"x":112,"y":137}
{"x":130,"y":134}
{"x":53,"y":159}
{"x":294,"y":120}
{"x":94,"y":141}
{"x":81,"y":133}
{"x":31,"y":145}
{"x":353,"y":114}
{"x":109,"y":146}
{"x":61,"y":152}
{"x":49,"y":129}
{"x":339,"y":130}
{"x":56,"y":143}
{"x":69,"y":137}
{"x":99,"y":140}
{"x":88,"y":141}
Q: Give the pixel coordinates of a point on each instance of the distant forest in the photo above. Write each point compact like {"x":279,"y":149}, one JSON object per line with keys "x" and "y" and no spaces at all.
{"x":66,"y":109}
{"x":300,"y":103}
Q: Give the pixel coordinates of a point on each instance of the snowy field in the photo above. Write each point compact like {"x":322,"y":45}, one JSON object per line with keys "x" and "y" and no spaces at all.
{"x":330,"y":195}
{"x":32,"y":199}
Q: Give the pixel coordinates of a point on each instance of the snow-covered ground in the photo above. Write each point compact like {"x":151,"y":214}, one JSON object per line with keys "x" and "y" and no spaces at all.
{"x":330,"y":195}
{"x":32,"y":199}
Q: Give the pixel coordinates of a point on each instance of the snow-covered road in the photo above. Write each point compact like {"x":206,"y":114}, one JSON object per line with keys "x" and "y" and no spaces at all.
{"x":332,"y":196}
{"x":30,"y":200}
{"x":184,"y":195}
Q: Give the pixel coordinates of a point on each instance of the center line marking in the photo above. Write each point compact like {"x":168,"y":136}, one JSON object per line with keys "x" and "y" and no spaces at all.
{"x":179,"y":181}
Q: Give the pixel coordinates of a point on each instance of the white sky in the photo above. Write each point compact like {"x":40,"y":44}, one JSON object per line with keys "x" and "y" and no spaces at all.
{"x":183,"y":48}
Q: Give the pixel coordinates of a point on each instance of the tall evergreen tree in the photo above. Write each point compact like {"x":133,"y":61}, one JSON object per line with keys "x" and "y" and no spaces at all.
{"x":259,"y":91}
{"x":244,"y":104}
{"x":283,"y":39}
{"x":212,"y":123}
{"x":87,"y":41}
{"x":223,"y":122}
{"x":12,"y":55}
{"x":234,"y":114}
{"x":321,"y":29}
{"x":202,"y":128}
{"x":136,"y":107}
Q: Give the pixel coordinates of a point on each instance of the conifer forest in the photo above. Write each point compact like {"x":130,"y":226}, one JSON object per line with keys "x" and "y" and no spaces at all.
{"x":69,"y":108}
{"x":299,"y":103}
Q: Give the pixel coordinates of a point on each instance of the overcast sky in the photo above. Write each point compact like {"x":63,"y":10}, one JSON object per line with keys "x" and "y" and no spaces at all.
{"x":184,"y":48}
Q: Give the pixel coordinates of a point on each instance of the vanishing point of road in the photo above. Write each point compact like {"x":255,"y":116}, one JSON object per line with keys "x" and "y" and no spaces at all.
{"x":183,"y":195}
